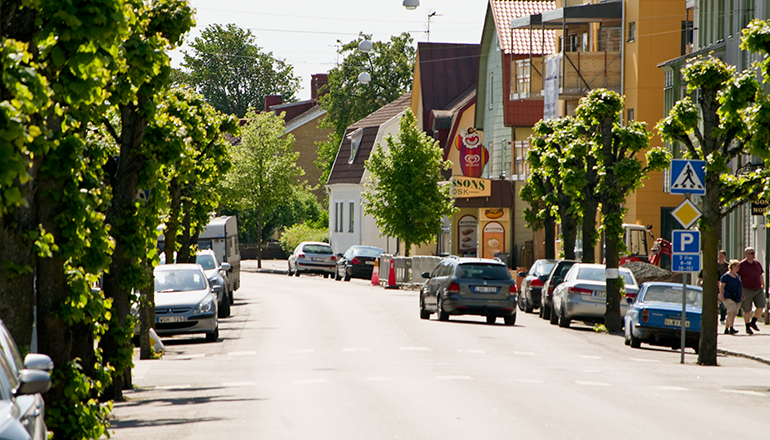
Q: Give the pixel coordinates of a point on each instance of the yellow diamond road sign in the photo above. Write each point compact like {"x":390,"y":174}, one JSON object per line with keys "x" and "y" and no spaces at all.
{"x":686,"y":213}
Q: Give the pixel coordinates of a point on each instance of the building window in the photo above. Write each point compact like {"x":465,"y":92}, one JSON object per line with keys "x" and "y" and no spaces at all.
{"x":631,"y":31}
{"x":720,"y":20}
{"x":520,"y":166}
{"x":522,"y":81}
{"x":490,"y":94}
{"x":610,"y":38}
{"x":352,"y":216}
{"x":355,"y":142}
{"x":630,"y":114}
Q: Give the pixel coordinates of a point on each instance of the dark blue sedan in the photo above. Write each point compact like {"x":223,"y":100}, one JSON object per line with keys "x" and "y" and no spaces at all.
{"x":655,"y":316}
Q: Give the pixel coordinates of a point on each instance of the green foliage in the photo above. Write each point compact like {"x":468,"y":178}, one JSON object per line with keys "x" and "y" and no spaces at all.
{"x":294,"y":235}
{"x":391,"y":65}
{"x":232,"y":73}
{"x":405,"y":197}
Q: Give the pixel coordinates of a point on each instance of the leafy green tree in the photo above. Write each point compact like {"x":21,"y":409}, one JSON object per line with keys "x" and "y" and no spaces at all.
{"x":232,"y":73}
{"x":391,"y":66}
{"x":730,"y":118}
{"x":405,"y":197}
{"x":616,"y":149}
{"x":264,"y":173}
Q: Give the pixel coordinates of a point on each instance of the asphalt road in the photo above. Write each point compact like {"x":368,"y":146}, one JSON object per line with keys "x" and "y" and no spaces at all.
{"x":313,"y":358}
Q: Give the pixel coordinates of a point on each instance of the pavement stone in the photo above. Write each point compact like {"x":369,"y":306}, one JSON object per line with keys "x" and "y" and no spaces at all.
{"x":755,"y":347}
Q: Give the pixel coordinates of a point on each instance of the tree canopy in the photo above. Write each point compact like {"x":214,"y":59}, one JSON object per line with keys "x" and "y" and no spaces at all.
{"x":404,"y":196}
{"x":233,"y":73}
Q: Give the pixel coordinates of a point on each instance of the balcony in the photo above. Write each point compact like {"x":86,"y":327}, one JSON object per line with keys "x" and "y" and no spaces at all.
{"x":581,"y":72}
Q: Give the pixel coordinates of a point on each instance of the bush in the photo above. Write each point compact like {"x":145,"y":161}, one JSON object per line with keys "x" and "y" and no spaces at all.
{"x":296,"y":234}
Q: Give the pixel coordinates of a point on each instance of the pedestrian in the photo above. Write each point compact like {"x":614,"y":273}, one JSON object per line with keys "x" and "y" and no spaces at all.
{"x":721,"y":270}
{"x":753,"y":282}
{"x":730,"y":293}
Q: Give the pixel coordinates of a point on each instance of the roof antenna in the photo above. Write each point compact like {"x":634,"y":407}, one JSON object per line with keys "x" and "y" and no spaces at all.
{"x":431,"y":15}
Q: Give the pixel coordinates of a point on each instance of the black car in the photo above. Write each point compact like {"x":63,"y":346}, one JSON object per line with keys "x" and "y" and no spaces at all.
{"x":555,"y":277}
{"x":357,"y":262}
{"x":532,"y":284}
{"x":469,"y":286}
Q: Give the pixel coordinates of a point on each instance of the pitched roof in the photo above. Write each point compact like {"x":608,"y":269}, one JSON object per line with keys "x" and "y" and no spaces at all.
{"x":517,"y":41}
{"x":304,"y":118}
{"x":344,"y":172}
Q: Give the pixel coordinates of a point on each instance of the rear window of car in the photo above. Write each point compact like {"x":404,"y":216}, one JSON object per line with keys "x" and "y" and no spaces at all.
{"x":598,"y":274}
{"x":663,"y":294}
{"x":179,"y":280}
{"x":543,"y":268}
{"x":207,"y":261}
{"x":481,"y":271}
{"x":316,"y":249}
{"x":368,"y":252}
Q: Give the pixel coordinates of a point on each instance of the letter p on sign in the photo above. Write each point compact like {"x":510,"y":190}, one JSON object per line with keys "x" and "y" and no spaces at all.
{"x":686,"y":241}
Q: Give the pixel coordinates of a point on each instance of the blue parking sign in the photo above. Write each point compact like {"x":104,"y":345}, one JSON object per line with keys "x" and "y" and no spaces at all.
{"x":685,"y":242}
{"x":685,"y":263}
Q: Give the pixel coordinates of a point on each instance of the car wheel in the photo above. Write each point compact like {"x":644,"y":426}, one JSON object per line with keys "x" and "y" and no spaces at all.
{"x":337,"y":276}
{"x":491,"y":319}
{"x":563,"y":320}
{"x":510,"y":319}
{"x":522,"y":301}
{"x":545,"y":312}
{"x":634,"y":342}
{"x":289,"y":271}
{"x":424,"y":314}
{"x":554,"y":318}
{"x":528,"y":308}
{"x":296,"y":272}
{"x":442,"y":315}
{"x":224,"y":308}
{"x":326,"y":275}
{"x":212,"y":336}
{"x":347,"y":275}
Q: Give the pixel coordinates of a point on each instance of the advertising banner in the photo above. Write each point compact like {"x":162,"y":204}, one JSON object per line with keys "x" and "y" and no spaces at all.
{"x":473,"y":155}
{"x":467,"y":235}
{"x":493,"y":240}
{"x":467,"y":187}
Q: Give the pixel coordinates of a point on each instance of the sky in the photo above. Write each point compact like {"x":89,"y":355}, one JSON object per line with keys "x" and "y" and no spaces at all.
{"x":304,"y":33}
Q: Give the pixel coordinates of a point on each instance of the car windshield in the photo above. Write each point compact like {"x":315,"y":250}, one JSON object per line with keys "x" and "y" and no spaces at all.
{"x":598,"y":274}
{"x":672,"y":295}
{"x":562,"y":269}
{"x":368,"y":252}
{"x":206,"y":261}
{"x":482,"y":271}
{"x":317,"y":249}
{"x":182,"y":280}
{"x":544,"y":268}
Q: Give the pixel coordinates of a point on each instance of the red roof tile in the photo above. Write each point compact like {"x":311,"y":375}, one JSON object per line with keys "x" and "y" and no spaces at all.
{"x":517,"y":41}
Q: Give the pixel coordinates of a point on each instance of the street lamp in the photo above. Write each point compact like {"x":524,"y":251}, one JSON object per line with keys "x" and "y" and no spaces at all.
{"x":364,"y":77}
{"x":411,"y":4}
{"x":365,"y":46}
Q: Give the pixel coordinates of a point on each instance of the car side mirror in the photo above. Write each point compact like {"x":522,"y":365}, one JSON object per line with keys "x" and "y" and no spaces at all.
{"x":35,"y":361}
{"x":216,"y":289}
{"x":426,"y":275}
{"x":629,"y":300}
{"x":226,"y":267}
{"x":33,"y":382}
{"x":522,"y":274}
{"x":339,"y":255}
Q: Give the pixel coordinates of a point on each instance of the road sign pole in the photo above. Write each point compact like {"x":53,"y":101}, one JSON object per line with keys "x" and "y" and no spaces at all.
{"x":684,"y":313}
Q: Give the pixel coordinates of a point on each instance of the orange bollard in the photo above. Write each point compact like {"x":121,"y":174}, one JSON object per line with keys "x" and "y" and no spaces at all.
{"x":392,"y":276}
{"x":376,"y":273}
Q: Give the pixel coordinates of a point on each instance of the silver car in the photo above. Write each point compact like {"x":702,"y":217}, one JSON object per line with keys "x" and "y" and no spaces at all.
{"x":217,"y":276}
{"x":313,"y":257}
{"x":22,"y":409}
{"x":185,"y":302}
{"x":583,"y":294}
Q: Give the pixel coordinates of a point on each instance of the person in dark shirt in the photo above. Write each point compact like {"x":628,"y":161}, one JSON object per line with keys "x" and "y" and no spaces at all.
{"x":731,"y":294}
{"x":753,"y":282}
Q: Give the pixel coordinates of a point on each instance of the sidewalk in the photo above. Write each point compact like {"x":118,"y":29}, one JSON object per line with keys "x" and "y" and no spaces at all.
{"x":755,"y":347}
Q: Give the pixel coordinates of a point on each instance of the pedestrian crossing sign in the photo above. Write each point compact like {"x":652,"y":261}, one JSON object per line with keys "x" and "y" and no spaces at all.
{"x":688,"y":177}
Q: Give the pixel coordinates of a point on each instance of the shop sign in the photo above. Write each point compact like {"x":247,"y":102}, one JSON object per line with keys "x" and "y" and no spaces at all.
{"x":494,"y":239}
{"x":467,"y":235}
{"x":462,"y":187}
{"x":473,"y":155}
{"x":488,"y":214}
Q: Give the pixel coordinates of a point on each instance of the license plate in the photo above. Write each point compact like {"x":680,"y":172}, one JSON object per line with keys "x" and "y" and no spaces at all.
{"x":599,"y":294}
{"x":371,"y":263}
{"x":164,"y":319}
{"x":676,"y":322}
{"x":318,"y":259}
{"x":485,"y":289}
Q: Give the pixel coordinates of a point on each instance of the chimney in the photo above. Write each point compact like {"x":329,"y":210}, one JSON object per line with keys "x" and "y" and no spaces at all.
{"x":319,"y":85}
{"x":271,"y":100}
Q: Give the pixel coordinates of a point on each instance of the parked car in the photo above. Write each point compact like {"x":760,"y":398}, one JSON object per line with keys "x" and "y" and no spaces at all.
{"x":655,"y":316}
{"x":22,"y":409}
{"x":357,"y":262}
{"x":555,"y":277}
{"x":185,"y":302}
{"x":469,"y":286}
{"x":532,"y":284}
{"x":583,"y":294}
{"x":217,"y":276}
{"x":313,"y":257}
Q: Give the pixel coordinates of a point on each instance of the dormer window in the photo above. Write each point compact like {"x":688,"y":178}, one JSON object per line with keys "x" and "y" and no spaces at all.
{"x":355,"y":142}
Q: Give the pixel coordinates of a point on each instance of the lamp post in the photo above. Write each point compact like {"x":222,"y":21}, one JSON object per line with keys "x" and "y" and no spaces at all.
{"x":411,"y":5}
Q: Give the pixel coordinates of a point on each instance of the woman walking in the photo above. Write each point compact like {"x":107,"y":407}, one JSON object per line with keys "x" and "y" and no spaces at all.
{"x":731,"y":295}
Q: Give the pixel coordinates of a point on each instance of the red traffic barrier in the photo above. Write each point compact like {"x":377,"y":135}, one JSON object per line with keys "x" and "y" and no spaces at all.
{"x":376,"y":273}
{"x":391,"y":276}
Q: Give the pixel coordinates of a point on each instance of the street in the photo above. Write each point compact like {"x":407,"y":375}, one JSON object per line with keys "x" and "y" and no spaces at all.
{"x":314,"y":358}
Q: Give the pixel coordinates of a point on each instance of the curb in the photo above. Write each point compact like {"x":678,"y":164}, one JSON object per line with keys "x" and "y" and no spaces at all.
{"x":272,"y":271}
{"x":743,"y":355}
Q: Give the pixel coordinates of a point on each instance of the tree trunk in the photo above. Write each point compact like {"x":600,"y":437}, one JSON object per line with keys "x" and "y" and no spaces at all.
{"x":259,"y":236}
{"x":568,"y":227}
{"x":549,"y":230}
{"x":612,"y":319}
{"x":147,"y":314}
{"x":185,"y":250}
{"x":591,"y":207}
{"x":17,"y":287}
{"x":172,"y":225}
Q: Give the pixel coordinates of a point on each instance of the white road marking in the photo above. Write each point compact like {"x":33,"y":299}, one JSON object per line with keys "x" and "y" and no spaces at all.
{"x":595,"y":384}
{"x":415,"y":349}
{"x":378,"y":379}
{"x":187,"y":356}
{"x":745,"y":392}
{"x":590,"y":357}
{"x":645,"y":360}
{"x":351,"y":350}
{"x":242,"y":353}
{"x":238,"y":384}
{"x":454,"y":378}
{"x":472,"y":351}
{"x":670,"y":388}
{"x":310,"y":381}
{"x":173,"y":387}
{"x":523,"y":353}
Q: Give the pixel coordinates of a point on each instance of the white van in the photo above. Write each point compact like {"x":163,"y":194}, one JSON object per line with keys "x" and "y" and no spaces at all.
{"x":221,"y":236}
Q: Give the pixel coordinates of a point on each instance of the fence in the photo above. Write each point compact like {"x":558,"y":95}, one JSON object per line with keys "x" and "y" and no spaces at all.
{"x":407,"y":270}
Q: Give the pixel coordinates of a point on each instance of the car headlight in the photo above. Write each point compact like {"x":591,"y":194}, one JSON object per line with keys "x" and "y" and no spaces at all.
{"x":205,"y":306}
